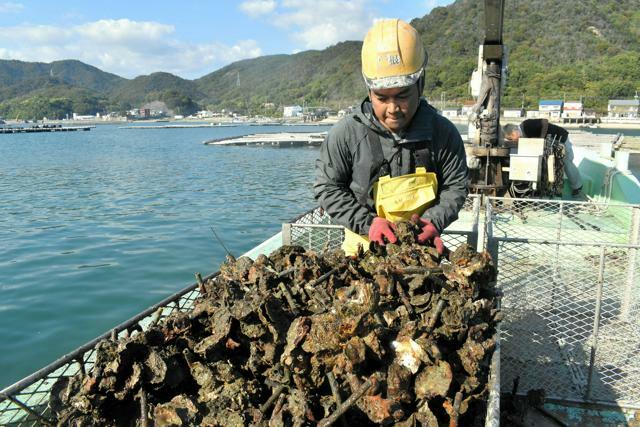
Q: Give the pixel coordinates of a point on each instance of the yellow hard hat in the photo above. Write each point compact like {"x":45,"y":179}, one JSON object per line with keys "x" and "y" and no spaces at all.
{"x":392,"y":55}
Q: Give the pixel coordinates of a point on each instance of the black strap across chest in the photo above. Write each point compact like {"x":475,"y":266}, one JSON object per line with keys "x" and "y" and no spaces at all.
{"x":420,"y":157}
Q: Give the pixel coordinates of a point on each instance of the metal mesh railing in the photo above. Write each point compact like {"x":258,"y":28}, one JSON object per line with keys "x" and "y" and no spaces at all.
{"x":570,"y":280}
{"x":316,"y":231}
{"x":25,"y":403}
{"x":559,"y":220}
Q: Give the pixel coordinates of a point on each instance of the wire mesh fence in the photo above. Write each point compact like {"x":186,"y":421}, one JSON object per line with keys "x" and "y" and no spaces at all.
{"x":316,"y":231}
{"x":26,"y":402}
{"x":570,"y":280}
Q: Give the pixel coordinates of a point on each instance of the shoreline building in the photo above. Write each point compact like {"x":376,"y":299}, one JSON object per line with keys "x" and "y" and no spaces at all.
{"x":572,"y":109}
{"x":550,"y":108}
{"x":512,"y":113}
{"x":467,"y":107}
{"x":292,"y":111}
{"x":451,"y":112}
{"x":624,"y":108}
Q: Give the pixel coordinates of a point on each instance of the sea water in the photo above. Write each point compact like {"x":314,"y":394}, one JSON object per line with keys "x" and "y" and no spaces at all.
{"x":96,"y":226}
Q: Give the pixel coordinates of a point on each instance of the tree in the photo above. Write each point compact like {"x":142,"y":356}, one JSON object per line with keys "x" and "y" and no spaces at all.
{"x":179,"y":102}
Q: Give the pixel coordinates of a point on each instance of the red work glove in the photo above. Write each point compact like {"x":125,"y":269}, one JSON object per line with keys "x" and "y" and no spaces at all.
{"x":429,"y":233}
{"x":380,"y":228}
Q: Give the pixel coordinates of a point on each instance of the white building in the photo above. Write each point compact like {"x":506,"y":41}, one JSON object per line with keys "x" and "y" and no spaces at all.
{"x":551,"y":108}
{"x":512,"y":113}
{"x":451,"y":112}
{"x":292,"y":111}
{"x":204,"y":114}
{"x":624,"y":108}
{"x":85,"y":116}
{"x":467,"y":107}
{"x":572,"y":109}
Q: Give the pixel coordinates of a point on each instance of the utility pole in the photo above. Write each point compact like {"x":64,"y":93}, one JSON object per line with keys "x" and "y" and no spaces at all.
{"x":442,"y":99}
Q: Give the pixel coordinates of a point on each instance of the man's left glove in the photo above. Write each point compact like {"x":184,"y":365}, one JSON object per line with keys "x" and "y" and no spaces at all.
{"x":429,"y":233}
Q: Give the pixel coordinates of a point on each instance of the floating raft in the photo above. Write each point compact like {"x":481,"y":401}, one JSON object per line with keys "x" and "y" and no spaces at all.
{"x":208,"y":125}
{"x":283,"y":139}
{"x":45,"y":129}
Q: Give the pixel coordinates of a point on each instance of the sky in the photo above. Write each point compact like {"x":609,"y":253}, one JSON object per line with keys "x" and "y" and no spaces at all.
{"x":188,"y":38}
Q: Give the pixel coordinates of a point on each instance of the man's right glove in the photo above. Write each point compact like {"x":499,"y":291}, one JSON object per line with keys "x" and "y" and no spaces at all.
{"x":381,"y":228}
{"x":429,"y":233}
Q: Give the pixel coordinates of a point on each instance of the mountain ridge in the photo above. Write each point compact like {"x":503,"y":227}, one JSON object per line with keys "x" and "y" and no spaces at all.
{"x":589,"y":51}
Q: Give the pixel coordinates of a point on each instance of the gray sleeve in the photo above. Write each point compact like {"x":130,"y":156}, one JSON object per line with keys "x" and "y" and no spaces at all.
{"x":453,"y":180}
{"x":332,"y":178}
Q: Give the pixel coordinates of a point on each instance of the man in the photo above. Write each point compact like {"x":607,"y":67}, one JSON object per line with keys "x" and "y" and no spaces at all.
{"x":541,"y":128}
{"x":396,"y":157}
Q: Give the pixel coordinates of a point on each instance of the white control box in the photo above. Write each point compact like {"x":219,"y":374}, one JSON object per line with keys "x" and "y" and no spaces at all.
{"x":525,"y":168}
{"x":530,"y":147}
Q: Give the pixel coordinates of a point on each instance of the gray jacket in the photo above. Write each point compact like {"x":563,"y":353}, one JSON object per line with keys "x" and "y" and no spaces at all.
{"x":348,"y":165}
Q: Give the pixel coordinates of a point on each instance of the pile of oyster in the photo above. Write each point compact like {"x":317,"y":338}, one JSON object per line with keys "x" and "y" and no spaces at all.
{"x":394,"y":335}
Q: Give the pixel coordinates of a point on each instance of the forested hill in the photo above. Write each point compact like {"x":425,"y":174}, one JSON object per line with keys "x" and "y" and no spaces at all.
{"x":573,"y":49}
{"x":557,"y":48}
{"x":331,"y":76}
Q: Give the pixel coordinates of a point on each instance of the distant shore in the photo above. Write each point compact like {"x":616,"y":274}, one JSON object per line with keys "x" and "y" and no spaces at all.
{"x":606,"y":124}
{"x":631,"y":124}
{"x":187,"y":122}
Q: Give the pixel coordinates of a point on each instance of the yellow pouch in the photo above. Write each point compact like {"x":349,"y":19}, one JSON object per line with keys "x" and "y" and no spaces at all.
{"x":397,"y":199}
{"x":400,"y":197}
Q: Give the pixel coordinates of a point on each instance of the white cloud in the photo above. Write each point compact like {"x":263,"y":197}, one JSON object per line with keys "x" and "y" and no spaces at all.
{"x":258,"y":7}
{"x":125,"y":47}
{"x":316,"y":25}
{"x":9,"y":7}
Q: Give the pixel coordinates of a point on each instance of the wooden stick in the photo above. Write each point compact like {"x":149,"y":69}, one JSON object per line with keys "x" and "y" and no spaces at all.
{"x":403,"y":298}
{"x":335,"y":391}
{"x":285,"y":272}
{"x":436,"y":316}
{"x":276,"y":392}
{"x":346,"y":405}
{"x":143,"y":408}
{"x":201,"y":287}
{"x":289,"y":298}
{"x":457,"y":400}
{"x":80,"y":362}
{"x":419,"y":270}
{"x":279,"y":404}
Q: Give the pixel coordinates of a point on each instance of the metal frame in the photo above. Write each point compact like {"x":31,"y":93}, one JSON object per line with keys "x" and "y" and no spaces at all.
{"x":25,"y":403}
{"x":315,"y":230}
{"x":571,"y":297}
